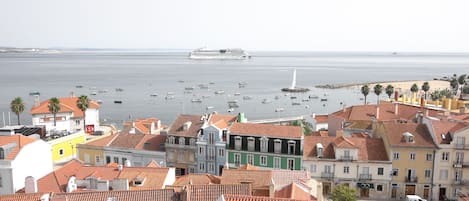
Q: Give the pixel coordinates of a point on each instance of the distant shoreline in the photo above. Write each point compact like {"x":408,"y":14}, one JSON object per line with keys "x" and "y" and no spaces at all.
{"x":404,"y":84}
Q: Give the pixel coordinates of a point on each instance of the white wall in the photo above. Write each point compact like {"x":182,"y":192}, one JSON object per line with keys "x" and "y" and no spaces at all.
{"x":60,"y":125}
{"x":142,"y":157}
{"x":92,"y":117}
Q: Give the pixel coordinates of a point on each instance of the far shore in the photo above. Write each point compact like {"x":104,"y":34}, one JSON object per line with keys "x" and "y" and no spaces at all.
{"x":398,"y":85}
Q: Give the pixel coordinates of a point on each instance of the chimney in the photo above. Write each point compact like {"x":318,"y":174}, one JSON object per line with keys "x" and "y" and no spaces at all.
{"x":377,"y":112}
{"x":396,"y":96}
{"x":120,"y":167}
{"x":128,"y":163}
{"x":422,"y":102}
{"x":186,"y":125}
{"x":152,"y":128}
{"x":30,"y":185}
{"x":396,"y":109}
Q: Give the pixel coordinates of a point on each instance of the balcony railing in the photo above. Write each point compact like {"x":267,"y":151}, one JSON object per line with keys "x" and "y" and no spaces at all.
{"x":461,"y":146}
{"x":346,"y":158}
{"x":364,"y":177}
{"x":411,"y":179}
{"x":327,"y":175}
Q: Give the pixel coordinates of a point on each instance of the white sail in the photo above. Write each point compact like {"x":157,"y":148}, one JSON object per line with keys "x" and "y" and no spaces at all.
{"x":293,"y":84}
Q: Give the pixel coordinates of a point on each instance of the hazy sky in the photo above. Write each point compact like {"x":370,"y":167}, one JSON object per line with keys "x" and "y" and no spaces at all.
{"x":318,"y":25}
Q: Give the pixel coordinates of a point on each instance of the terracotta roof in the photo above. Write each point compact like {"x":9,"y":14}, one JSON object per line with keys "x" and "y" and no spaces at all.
{"x":257,"y":178}
{"x":153,"y":163}
{"x":22,"y":197}
{"x":343,"y":142}
{"x":369,"y":149}
{"x":247,"y":167}
{"x":445,"y":127}
{"x":103,"y":141}
{"x":227,"y":197}
{"x":283,"y":178}
{"x":393,"y":132}
{"x":294,"y":191}
{"x":143,"y":126}
{"x":57,"y":181}
{"x":266,"y":130}
{"x":177,"y":127}
{"x":197,"y":179}
{"x":386,"y":112}
{"x":221,"y":121}
{"x":19,"y":140}
{"x":67,"y":104}
{"x":132,"y":141}
{"x":212,"y":192}
{"x":140,"y":195}
{"x":320,"y":119}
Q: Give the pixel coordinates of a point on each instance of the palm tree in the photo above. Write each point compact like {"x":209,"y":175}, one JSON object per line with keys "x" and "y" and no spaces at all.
{"x":17,"y":106}
{"x":461,"y":82}
{"x":389,"y":90}
{"x":54,"y":108}
{"x":378,"y":89}
{"x":83,"y":103}
{"x":454,"y":84}
{"x":365,"y":91}
{"x":425,"y":88}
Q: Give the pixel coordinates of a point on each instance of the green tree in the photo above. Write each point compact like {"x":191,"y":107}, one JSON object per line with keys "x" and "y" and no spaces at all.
{"x":425,"y":88}
{"x":83,"y":103}
{"x":365,"y":91}
{"x":378,"y":89}
{"x":461,"y":82}
{"x":414,"y":88}
{"x":454,"y":84}
{"x":389,"y":90}
{"x":465,"y":89}
{"x":343,"y":193}
{"x":17,"y":106}
{"x":54,"y":108}
{"x":438,"y":94}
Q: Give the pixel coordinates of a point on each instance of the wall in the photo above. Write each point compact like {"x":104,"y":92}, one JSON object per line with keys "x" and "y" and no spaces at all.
{"x":91,"y":152}
{"x":60,"y":124}
{"x":68,"y":145}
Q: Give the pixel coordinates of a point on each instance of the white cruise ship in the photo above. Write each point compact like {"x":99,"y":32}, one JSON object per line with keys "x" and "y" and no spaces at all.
{"x":219,"y":54}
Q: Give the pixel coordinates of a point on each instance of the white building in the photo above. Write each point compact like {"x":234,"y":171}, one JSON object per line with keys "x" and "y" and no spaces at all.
{"x":20,"y":157}
{"x":358,"y":162}
{"x":69,"y":118}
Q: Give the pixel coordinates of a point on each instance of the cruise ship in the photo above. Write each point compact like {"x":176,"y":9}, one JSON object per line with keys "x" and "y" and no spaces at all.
{"x":203,"y":53}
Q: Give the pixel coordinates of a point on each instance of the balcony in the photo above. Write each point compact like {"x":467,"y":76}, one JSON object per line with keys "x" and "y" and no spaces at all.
{"x":364,"y":177}
{"x":327,"y":175}
{"x":461,"y":146}
{"x":460,"y":182}
{"x":346,"y":158}
{"x":458,"y":164}
{"x":411,"y":179}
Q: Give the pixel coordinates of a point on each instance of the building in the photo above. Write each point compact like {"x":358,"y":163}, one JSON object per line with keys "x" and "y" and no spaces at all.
{"x":22,"y":157}
{"x":148,"y":126}
{"x":265,"y":145}
{"x":412,"y":151}
{"x":181,"y":147}
{"x":451,"y":169}
{"x":76,"y":176}
{"x":211,"y":144}
{"x":228,"y":197}
{"x":69,"y":118}
{"x":64,"y":148}
{"x":136,"y":148}
{"x":361,"y":163}
{"x":320,"y":122}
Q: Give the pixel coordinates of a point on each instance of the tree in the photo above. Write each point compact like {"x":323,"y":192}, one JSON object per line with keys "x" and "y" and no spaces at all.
{"x":17,"y":106}
{"x":54,"y":108}
{"x":343,"y":193}
{"x":365,"y":91}
{"x":414,"y":88}
{"x":378,"y":89}
{"x":425,"y":88}
{"x":461,"y":82}
{"x":82,"y":103}
{"x":454,"y":84}
{"x":389,"y":90}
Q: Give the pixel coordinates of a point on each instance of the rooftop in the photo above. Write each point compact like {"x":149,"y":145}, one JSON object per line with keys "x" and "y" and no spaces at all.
{"x":270,"y":130}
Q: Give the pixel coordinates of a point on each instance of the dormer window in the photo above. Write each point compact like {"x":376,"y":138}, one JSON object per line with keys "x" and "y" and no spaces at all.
{"x":238,"y":142}
{"x":319,"y":150}
{"x":291,"y":147}
{"x":408,"y":137}
{"x":264,"y":144}
{"x":181,"y":141}
{"x":277,"y":145}
{"x":251,"y":143}
{"x":138,"y":181}
{"x":2,"y":154}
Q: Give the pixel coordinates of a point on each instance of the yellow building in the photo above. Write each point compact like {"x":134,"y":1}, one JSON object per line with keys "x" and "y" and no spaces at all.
{"x":91,"y":154}
{"x":64,"y":148}
{"x":412,"y":152}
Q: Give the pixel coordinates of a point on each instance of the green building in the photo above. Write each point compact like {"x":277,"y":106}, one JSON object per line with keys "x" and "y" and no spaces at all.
{"x":265,"y":145}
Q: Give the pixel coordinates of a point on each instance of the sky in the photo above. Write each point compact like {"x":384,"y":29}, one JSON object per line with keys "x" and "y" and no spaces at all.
{"x":294,"y":25}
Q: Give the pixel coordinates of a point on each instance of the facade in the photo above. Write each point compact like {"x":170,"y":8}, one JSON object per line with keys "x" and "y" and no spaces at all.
{"x":211,"y":144}
{"x":265,"y":145}
{"x":64,"y":148}
{"x":181,"y":147}
{"x":20,"y":157}
{"x":358,"y":162}
{"x":69,"y":118}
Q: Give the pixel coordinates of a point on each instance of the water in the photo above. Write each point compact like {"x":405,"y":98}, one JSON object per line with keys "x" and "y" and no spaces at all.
{"x":141,"y":74}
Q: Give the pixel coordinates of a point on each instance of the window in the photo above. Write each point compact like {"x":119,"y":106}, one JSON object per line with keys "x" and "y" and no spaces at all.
{"x":412,"y":156}
{"x":250,"y":158}
{"x":443,"y":174}
{"x":395,"y":156}
{"x":460,"y":140}
{"x":123,"y":161}
{"x":365,"y":170}
{"x":77,"y":122}
{"x":211,"y":167}
{"x":277,"y":145}
{"x":180,"y":156}
{"x":428,"y":173}
{"x":458,"y":175}
{"x":346,"y":169}
{"x":277,"y":162}
{"x":395,"y":172}
{"x":116,"y":160}
{"x":221,"y":152}
{"x":61,"y":152}
{"x":445,"y":156}
{"x":347,"y":154}
{"x":97,"y":159}
{"x":251,"y":143}
{"x":380,"y":171}
{"x":459,"y":157}
{"x":291,"y":164}
{"x":211,"y":138}
{"x":1,"y":182}
{"x":327,"y":169}
{"x":201,"y":151}
{"x":182,"y":141}
{"x":202,"y":167}
{"x":237,"y":158}
{"x":238,"y":142}
{"x":2,"y":153}
{"x":211,"y":153}
{"x":264,"y":144}
{"x":429,"y":157}
{"x":264,"y":160}
{"x":171,"y":140}
{"x":108,"y":159}
{"x":312,"y":168}
{"x":379,"y":187}
{"x":291,"y":147}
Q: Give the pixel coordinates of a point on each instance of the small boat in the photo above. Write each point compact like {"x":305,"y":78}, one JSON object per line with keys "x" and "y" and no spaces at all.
{"x":93,"y":93}
{"x":292,"y":97}
{"x":79,"y":86}
{"x":219,"y":92}
{"x":211,"y":82}
{"x":189,"y":88}
{"x":295,"y":103}
{"x":313,"y":97}
{"x":237,"y":94}
{"x":265,"y":101}
{"x":181,"y":81}
{"x":247,"y":97}
{"x":34,"y":93}
{"x":99,"y":101}
{"x":102,"y":91}
{"x":118,"y":102}
{"x":305,"y":100}
{"x":323,"y":99}
{"x":242,"y":84}
{"x":277,"y":97}
{"x":233,"y":105}
{"x":170,"y":93}
{"x":154,"y":95}
{"x":196,"y":100}
{"x":280,"y":109}
{"x":203,"y":86}
{"x":169,"y":97}
{"x":209,"y":107}
{"x":119,"y":89}
{"x":230,"y":110}
{"x":205,"y":96}
{"x":187,"y":92}
{"x":233,"y":101}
